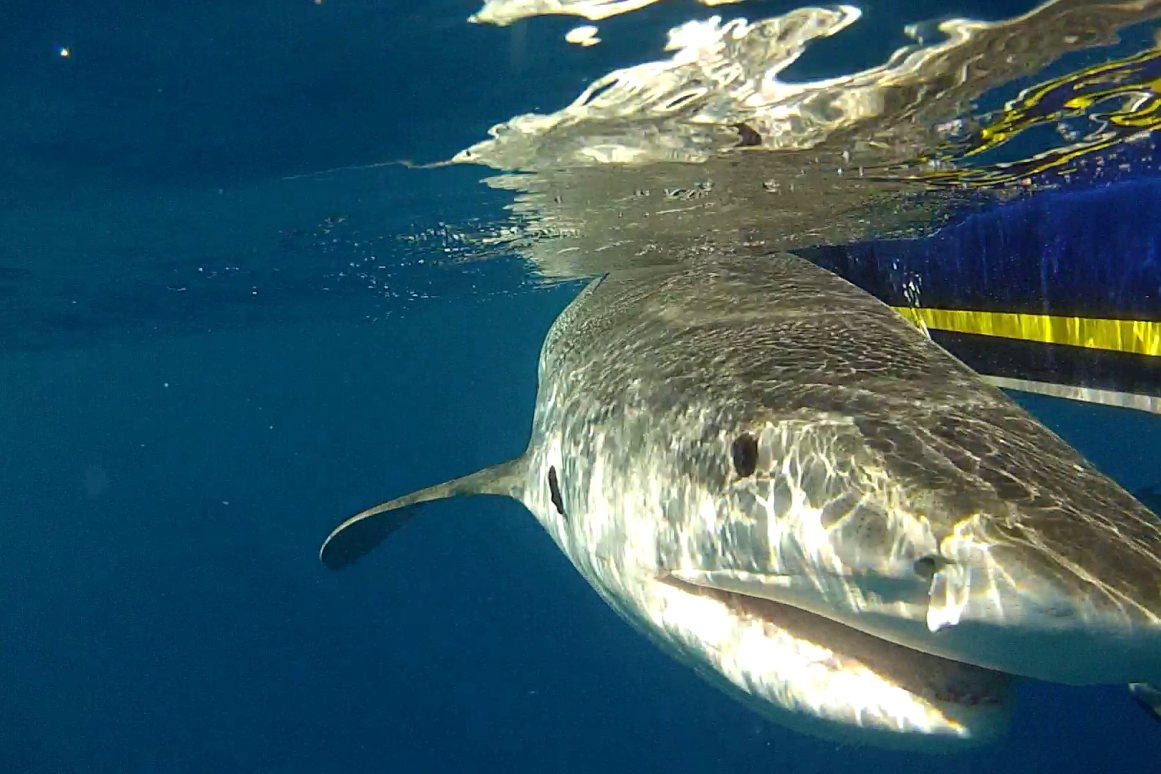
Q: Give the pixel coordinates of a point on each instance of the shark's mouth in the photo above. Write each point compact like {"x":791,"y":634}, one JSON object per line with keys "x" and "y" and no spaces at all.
{"x":939,"y":680}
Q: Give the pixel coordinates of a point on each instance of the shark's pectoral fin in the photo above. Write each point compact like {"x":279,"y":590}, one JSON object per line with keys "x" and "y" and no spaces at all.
{"x":1149,"y":697}
{"x":362,"y":533}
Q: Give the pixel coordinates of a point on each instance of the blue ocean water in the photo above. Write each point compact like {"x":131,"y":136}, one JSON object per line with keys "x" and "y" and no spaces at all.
{"x":175,"y":448}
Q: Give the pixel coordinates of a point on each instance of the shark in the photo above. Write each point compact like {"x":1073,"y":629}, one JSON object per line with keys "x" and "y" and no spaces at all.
{"x":792,"y":490}
{"x":1148,"y":696}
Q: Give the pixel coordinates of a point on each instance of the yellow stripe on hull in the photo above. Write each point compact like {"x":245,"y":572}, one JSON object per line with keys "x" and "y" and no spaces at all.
{"x":1140,"y":337}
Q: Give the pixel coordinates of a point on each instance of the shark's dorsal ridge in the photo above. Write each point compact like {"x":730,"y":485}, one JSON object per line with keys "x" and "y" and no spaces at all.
{"x":362,"y":533}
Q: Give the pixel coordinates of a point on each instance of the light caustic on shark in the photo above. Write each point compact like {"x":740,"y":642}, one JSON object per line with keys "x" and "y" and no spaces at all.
{"x":787,"y":486}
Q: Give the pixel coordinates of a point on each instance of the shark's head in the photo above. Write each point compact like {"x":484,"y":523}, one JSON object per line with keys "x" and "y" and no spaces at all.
{"x":982,"y":538}
{"x":769,"y":430}
{"x":799,"y":669}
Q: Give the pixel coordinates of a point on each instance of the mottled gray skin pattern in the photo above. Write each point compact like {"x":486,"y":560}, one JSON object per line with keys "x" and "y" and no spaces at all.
{"x":895,"y":440}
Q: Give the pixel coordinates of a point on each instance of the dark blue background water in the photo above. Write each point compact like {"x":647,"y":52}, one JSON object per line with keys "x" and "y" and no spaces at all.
{"x":164,"y":487}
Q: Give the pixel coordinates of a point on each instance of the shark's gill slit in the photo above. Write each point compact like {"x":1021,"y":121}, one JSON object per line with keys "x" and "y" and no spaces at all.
{"x":554,"y":490}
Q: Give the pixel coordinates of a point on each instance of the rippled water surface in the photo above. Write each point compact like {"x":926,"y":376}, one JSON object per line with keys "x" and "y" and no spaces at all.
{"x":179,"y":171}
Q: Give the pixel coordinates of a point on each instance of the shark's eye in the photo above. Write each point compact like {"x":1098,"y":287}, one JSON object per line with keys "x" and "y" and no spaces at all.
{"x":554,"y":490}
{"x":745,"y":455}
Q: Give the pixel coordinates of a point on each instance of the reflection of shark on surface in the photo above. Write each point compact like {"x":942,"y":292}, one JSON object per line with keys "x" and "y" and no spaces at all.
{"x":791,"y":489}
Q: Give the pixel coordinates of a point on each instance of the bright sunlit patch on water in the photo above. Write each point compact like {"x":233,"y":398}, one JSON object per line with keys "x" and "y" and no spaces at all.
{"x":504,"y":12}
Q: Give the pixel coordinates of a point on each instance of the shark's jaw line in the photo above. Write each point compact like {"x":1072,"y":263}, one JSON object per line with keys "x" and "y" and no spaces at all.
{"x":776,"y":614}
{"x":808,"y":672}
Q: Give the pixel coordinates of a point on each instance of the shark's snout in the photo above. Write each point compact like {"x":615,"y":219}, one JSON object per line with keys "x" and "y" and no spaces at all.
{"x":1037,"y":577}
{"x":1024,"y":608}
